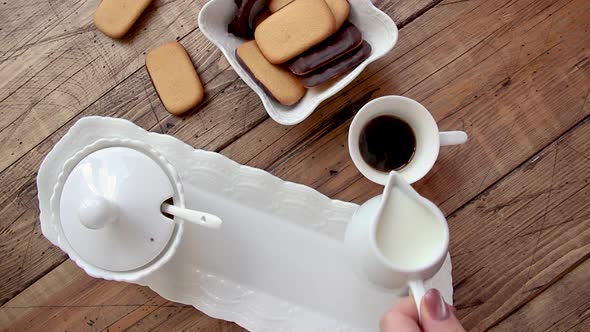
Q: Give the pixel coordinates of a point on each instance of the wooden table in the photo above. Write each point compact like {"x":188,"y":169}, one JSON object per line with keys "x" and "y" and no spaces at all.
{"x":514,"y":74}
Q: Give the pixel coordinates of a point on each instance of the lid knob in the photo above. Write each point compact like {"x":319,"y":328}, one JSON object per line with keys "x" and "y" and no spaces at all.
{"x":97,"y":212}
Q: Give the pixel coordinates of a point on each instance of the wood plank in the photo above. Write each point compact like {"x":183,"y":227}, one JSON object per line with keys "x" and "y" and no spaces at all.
{"x":28,"y":255}
{"x":246,"y":102}
{"x":427,"y":60}
{"x":97,"y":305}
{"x":512,"y":242}
{"x":242,"y":109}
{"x":220,"y":77}
{"x":47,"y":82}
{"x":56,"y":106}
{"x":136,"y":100}
{"x":489,"y":286}
{"x":507,"y":121}
{"x":524,"y":233}
{"x":196,"y":46}
{"x":562,"y":307}
{"x":48,"y":263}
{"x":27,"y":23}
{"x":325,"y":149}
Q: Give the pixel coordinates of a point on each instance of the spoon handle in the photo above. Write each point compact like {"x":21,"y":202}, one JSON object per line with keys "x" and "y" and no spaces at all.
{"x":195,"y":217}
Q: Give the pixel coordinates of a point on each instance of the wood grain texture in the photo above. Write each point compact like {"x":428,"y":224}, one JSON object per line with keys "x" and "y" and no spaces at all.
{"x":527,"y":231}
{"x":562,"y":307}
{"x":514,"y":74}
{"x":45,"y":84}
{"x":507,"y":121}
{"x":508,"y":245}
{"x":230,"y":109}
{"x":20,"y":239}
{"x":68,"y":299}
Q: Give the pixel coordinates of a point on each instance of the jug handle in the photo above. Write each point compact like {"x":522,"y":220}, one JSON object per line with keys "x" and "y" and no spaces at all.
{"x":417,"y":291}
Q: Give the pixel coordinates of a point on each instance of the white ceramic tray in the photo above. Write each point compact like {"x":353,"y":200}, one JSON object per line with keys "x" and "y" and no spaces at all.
{"x":278,"y":262}
{"x":378,"y":30}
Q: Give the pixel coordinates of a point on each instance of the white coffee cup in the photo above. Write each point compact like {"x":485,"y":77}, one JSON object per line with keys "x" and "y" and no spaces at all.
{"x":428,"y":138}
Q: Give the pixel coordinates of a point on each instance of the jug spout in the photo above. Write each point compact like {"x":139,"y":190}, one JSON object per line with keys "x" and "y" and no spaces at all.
{"x":398,"y":236}
{"x":396,"y":181}
{"x":399,"y":194}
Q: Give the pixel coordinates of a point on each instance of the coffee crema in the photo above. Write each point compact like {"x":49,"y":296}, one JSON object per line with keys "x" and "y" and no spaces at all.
{"x":387,"y":143}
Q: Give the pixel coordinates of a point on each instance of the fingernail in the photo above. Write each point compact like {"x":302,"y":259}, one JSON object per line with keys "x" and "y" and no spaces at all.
{"x":435,"y":305}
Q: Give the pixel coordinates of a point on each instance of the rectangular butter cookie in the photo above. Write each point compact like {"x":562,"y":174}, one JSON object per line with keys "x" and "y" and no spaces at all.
{"x":294,"y":29}
{"x":114,"y":18}
{"x":174,"y":77}
{"x":277,"y":82}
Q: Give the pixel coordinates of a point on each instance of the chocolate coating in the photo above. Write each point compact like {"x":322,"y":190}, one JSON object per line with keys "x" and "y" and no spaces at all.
{"x":241,"y":25}
{"x":345,"y":40}
{"x":338,"y":67}
{"x":262,"y":86}
{"x":266,"y":90}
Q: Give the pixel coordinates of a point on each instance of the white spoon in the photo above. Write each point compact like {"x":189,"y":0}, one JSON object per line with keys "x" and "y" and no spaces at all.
{"x":193,"y":216}
{"x":98,"y":212}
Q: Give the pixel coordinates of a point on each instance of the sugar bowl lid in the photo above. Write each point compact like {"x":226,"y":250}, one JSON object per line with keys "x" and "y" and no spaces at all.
{"x":110,"y":208}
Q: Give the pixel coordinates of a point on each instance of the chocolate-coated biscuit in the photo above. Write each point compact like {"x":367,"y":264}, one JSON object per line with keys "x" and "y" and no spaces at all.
{"x":275,"y":5}
{"x":337,"y":67}
{"x":340,"y":9}
{"x":115,"y":17}
{"x":242,"y":24}
{"x":345,"y":40}
{"x":277,"y":82}
{"x":174,"y":77}
{"x":294,"y":29}
{"x":263,"y":15}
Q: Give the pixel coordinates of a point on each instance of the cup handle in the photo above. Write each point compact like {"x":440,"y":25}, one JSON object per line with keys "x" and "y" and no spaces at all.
{"x":417,"y":291}
{"x":452,"y":137}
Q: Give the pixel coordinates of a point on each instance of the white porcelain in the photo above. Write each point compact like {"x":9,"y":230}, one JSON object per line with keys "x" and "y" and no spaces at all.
{"x":428,"y":138}
{"x":97,"y":212}
{"x":109,"y":208}
{"x":107,"y":204}
{"x":96,"y":179}
{"x":378,"y":30}
{"x":193,"y":216}
{"x":361,"y":241}
{"x":278,"y":263}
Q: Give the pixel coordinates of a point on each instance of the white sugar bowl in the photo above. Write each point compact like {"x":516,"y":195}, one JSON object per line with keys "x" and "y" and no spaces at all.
{"x":111,"y":209}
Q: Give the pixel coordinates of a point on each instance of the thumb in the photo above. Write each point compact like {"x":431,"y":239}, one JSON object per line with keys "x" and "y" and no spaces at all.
{"x":436,"y":315}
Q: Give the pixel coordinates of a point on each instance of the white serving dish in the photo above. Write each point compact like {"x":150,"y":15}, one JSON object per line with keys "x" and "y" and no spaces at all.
{"x":278,"y":263}
{"x":378,"y":30}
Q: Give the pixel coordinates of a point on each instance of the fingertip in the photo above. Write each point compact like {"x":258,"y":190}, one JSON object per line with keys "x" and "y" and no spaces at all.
{"x":407,"y":307}
{"x":387,"y":320}
{"x":437,"y":315}
{"x":395,"y":320}
{"x":452,"y":308}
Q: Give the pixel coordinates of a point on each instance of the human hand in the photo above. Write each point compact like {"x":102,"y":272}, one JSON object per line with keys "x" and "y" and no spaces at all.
{"x":436,"y":316}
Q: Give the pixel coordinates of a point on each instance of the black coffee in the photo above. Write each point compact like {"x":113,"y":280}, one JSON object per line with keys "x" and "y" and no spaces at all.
{"x":387,"y":143}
